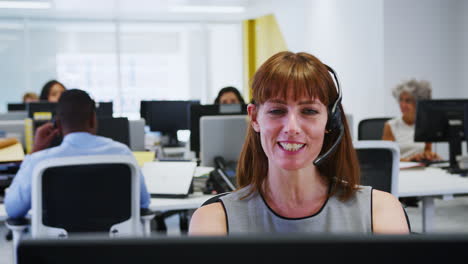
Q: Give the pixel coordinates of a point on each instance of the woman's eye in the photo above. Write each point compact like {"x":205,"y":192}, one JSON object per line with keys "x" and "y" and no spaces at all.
{"x":309,"y":111}
{"x":276,"y":111}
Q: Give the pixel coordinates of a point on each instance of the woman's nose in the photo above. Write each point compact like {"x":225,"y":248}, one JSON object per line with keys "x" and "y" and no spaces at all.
{"x":292,"y":125}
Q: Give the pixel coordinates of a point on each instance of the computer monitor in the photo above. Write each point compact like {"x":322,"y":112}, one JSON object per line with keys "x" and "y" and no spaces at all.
{"x":11,"y":107}
{"x":104,"y":109}
{"x":250,"y":248}
{"x":197,"y":111}
{"x":114,"y":128}
{"x":168,"y":117}
{"x":442,"y":121}
{"x":41,"y":107}
{"x":144,"y":110}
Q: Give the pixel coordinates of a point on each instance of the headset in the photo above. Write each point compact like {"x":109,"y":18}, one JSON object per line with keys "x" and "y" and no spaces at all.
{"x":334,"y":121}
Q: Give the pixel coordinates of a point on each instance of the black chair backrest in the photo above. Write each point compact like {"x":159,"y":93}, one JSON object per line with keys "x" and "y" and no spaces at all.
{"x":376,"y":168}
{"x":371,"y":128}
{"x":86,"y":198}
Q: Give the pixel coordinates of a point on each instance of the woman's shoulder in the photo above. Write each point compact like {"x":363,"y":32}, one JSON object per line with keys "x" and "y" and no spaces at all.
{"x":208,"y":220}
{"x":388,"y":214}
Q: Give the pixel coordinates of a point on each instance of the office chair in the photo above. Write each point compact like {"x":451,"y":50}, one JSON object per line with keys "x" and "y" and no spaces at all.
{"x":371,"y":128}
{"x":85,"y":194}
{"x":379,"y":161}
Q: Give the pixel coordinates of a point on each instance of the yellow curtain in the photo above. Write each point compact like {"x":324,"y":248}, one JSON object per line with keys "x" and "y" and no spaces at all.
{"x":262,"y":39}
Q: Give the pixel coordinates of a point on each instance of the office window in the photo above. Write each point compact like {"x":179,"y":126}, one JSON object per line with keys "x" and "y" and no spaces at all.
{"x":123,"y":62}
{"x":86,"y":59}
{"x":225,"y":54}
{"x":13,"y":62}
{"x":155,"y":63}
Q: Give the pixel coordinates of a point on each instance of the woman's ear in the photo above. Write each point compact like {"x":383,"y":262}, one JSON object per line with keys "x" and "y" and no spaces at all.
{"x":253,"y":110}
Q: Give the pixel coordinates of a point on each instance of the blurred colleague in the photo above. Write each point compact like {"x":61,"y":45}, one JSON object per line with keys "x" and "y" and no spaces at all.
{"x":51,"y":91}
{"x":30,"y":97}
{"x":229,"y":95}
{"x":401,"y":129}
{"x":298,"y":171}
{"x":76,"y":121}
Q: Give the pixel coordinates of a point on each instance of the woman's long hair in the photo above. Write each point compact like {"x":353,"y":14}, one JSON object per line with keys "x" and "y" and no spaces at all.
{"x":288,"y":74}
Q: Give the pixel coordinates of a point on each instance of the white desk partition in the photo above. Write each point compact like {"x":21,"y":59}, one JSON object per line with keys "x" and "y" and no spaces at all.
{"x":221,"y":136}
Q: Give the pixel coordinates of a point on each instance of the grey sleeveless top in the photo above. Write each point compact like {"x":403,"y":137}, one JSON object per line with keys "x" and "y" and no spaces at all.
{"x":252,"y":214}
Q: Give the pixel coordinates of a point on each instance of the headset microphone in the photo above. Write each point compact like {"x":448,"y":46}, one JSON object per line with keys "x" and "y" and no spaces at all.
{"x":334,"y":121}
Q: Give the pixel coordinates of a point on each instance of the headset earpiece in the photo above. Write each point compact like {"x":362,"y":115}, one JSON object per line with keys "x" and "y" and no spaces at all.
{"x":334,"y":121}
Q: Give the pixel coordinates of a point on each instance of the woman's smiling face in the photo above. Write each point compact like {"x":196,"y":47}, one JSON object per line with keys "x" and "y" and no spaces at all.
{"x":291,"y":132}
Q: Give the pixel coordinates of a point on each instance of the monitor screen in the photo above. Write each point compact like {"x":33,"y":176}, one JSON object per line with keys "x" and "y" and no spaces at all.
{"x":251,"y":248}
{"x":16,"y":107}
{"x":168,"y":117}
{"x":442,"y":121}
{"x":144,"y":110}
{"x":197,"y":111}
{"x":114,"y":128}
{"x":42,"y":108}
{"x":104,"y":109}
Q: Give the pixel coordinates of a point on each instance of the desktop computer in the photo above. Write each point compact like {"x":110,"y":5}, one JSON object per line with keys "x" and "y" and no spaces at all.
{"x":167,"y":117}
{"x":443,"y":121}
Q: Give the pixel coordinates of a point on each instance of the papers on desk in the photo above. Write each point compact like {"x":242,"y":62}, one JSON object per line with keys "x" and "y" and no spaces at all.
{"x":143,"y":157}
{"x":169,"y":178}
{"x":410,"y":165}
{"x":11,"y":150}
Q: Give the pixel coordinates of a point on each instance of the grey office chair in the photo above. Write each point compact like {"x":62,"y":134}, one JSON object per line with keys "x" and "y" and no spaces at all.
{"x":379,"y":161}
{"x":85,"y":194}
{"x":371,"y":128}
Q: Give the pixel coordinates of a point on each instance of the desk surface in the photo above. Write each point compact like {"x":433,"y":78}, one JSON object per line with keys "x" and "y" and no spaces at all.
{"x":158,"y":204}
{"x":430,"y":182}
{"x":192,"y":202}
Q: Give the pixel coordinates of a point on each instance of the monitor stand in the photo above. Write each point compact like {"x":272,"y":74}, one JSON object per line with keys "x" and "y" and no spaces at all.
{"x":172,"y":141}
{"x":455,"y":144}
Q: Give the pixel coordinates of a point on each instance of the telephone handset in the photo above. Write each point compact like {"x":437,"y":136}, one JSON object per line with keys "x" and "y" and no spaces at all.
{"x":223,"y":177}
{"x":58,"y":139}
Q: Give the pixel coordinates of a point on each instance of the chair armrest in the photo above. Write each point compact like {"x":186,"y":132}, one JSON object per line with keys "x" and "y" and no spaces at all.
{"x":146,"y":215}
{"x":17,"y":227}
{"x":17,"y":223}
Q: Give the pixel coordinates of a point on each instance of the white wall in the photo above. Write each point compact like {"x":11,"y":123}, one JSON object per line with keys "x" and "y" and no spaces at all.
{"x":422,"y":42}
{"x":462,"y":23}
{"x":375,"y":44}
{"x":348,"y":36}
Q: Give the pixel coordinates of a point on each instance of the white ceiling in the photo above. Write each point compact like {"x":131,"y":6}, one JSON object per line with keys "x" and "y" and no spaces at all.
{"x":137,"y":9}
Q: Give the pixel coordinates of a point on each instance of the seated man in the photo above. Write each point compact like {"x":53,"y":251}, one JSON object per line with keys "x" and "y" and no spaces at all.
{"x":76,"y":121}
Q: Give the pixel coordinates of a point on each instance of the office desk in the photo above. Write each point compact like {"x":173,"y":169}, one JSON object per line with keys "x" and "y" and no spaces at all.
{"x":192,"y":202}
{"x":157,"y":204}
{"x":430,"y":183}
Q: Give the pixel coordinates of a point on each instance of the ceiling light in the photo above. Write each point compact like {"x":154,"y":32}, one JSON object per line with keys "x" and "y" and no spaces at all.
{"x":25,"y":4}
{"x":207,"y":9}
